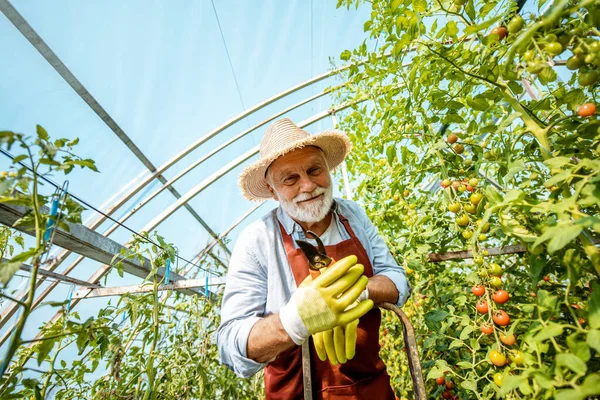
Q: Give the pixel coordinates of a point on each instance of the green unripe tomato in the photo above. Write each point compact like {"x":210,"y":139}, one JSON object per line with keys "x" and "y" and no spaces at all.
{"x":495,"y":269}
{"x":554,"y":48}
{"x":575,"y":62}
{"x":529,"y":55}
{"x":515,"y":24}
{"x":470,"y":208}
{"x":589,"y":59}
{"x":595,"y":47}
{"x":588,"y":78}
{"x":517,"y":357}
{"x":495,"y":282}
{"x":564,"y":39}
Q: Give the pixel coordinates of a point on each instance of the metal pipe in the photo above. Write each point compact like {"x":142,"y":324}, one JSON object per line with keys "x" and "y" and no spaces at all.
{"x":202,"y":253}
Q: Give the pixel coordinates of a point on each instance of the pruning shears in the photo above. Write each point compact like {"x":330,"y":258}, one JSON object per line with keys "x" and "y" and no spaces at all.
{"x":317,"y":257}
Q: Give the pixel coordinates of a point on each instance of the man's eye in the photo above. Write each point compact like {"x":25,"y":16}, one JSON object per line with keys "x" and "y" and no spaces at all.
{"x":289,"y":180}
{"x":314,"y":171}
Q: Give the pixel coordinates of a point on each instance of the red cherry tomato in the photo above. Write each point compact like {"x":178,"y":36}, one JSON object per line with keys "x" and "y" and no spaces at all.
{"x":482,"y":306}
{"x":440,"y":381}
{"x":587,"y":109}
{"x":500,"y":31}
{"x":501,"y":318}
{"x":500,"y":296}
{"x":508,"y":340}
{"x":487,"y":328}
{"x":478,"y":290}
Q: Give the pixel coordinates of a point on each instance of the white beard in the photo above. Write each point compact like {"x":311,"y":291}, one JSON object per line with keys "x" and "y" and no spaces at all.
{"x":312,"y":212}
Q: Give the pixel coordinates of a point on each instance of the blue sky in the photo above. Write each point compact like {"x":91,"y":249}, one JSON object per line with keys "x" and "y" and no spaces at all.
{"x":161,"y":71}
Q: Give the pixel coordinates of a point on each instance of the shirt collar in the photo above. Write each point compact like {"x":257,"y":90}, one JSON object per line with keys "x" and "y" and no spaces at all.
{"x":292,"y":226}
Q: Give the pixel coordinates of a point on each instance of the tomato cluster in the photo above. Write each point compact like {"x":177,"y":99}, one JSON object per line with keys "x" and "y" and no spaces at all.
{"x":467,"y":204}
{"x":491,"y":282}
{"x":538,"y":54}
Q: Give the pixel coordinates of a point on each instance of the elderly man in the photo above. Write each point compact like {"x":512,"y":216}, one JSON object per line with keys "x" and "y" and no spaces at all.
{"x":271,"y":306}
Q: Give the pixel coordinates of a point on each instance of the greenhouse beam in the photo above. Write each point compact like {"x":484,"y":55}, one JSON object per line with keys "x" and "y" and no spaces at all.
{"x":88,"y":293}
{"x":86,"y":242}
{"x":60,"y":277}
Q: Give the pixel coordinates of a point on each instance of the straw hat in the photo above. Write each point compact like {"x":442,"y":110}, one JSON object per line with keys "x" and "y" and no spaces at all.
{"x":282,"y":137}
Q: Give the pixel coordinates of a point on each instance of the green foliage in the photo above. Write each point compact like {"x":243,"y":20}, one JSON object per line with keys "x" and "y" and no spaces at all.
{"x":449,"y":98}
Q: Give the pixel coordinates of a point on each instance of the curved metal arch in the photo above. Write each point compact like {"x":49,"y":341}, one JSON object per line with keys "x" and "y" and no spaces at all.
{"x":217,"y":149}
{"x":227,"y":168}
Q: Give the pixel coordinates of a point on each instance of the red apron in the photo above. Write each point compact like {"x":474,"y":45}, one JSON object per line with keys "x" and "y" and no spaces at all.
{"x":363,"y":377}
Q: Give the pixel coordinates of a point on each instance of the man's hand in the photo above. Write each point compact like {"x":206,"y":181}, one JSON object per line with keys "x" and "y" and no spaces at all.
{"x":337,"y":344}
{"x":322,"y":304}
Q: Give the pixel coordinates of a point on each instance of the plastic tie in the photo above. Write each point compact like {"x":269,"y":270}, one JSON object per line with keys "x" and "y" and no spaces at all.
{"x":50,"y":224}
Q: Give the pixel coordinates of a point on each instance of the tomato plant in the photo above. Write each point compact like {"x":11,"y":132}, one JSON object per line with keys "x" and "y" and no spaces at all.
{"x":142,"y":346}
{"x":511,"y":97}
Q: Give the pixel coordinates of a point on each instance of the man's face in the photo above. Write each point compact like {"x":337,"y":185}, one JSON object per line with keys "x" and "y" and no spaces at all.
{"x":300,"y":181}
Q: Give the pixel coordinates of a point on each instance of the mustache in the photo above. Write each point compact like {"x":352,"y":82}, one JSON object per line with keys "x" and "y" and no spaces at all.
{"x":307,"y":196}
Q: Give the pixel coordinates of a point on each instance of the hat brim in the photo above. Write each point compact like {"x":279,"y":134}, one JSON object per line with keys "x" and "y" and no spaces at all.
{"x":334,"y":143}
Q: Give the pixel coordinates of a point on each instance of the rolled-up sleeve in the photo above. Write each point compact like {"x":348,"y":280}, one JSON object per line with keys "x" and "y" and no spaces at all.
{"x":383,"y":261}
{"x":243,"y":305}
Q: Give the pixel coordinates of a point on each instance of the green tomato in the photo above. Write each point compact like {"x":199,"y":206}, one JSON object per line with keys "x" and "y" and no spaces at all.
{"x":595,"y":47}
{"x":590,"y":58}
{"x":495,"y":282}
{"x":588,"y":78}
{"x":575,"y":62}
{"x":495,"y":269}
{"x":564,"y":39}
{"x":467,"y":234}
{"x":535,"y":67}
{"x":470,"y":208}
{"x":549,"y":38}
{"x":554,"y":48}
{"x":529,"y":55}
{"x":576,"y":31}
{"x":515,"y":24}
{"x":517,"y":357}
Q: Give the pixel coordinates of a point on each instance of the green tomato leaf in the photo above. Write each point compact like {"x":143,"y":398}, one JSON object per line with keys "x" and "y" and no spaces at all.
{"x":563,"y":236}
{"x":464,"y":335}
{"x":571,"y":362}
{"x":594,"y":307}
{"x":551,"y":330}
{"x":593,"y":339}
{"x":469,"y":384}
{"x":7,"y":270}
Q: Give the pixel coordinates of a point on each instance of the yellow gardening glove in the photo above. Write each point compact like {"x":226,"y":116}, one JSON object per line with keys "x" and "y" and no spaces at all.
{"x":337,"y":344}
{"x":322,"y":304}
